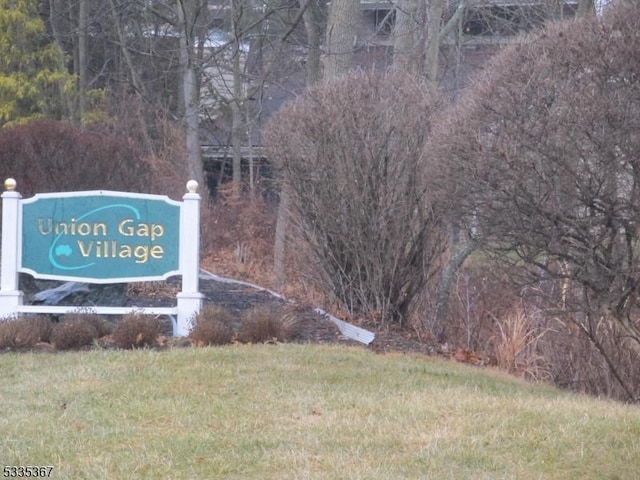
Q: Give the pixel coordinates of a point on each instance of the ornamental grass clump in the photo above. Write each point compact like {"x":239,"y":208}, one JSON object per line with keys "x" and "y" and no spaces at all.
{"x":136,"y":331}
{"x":212,"y":327}
{"x":101,"y":326}
{"x":79,"y":329}
{"x":24,"y":332}
{"x":73,"y":335}
{"x":291,"y":318}
{"x":261,"y":325}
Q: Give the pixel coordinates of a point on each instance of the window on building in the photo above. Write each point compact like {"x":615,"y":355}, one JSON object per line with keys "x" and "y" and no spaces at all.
{"x":503,"y":20}
{"x":384,"y":21}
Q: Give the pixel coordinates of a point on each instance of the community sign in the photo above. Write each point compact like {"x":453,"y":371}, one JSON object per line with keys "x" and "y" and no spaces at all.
{"x":100,"y":236}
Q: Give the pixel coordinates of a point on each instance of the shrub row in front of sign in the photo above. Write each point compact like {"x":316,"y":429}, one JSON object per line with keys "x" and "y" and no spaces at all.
{"x":82,"y":330}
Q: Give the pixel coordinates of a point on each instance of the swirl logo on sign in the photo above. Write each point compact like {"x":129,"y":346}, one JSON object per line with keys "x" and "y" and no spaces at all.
{"x":58,"y":250}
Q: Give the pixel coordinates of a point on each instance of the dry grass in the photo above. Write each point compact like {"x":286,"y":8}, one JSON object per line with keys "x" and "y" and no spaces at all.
{"x":516,"y":346}
{"x":299,"y":411}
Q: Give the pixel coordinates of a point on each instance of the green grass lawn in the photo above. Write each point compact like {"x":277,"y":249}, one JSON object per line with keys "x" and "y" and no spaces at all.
{"x":300,"y":412}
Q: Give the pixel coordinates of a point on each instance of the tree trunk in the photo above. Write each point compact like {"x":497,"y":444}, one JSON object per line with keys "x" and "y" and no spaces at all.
{"x":408,"y":46}
{"x":444,"y":286}
{"x":237,"y":124}
{"x":341,"y":37}
{"x":415,"y":51}
{"x":312,"y":25}
{"x":280,"y":245}
{"x":83,"y":23}
{"x":122,"y":39}
{"x":191,"y":121}
{"x":55,"y":11}
{"x":432,"y":51}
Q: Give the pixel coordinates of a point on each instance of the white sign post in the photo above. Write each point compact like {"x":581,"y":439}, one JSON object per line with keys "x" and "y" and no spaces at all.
{"x":189,"y":299}
{"x":10,"y":297}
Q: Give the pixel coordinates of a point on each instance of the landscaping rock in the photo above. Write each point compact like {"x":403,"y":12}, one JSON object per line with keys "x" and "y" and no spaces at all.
{"x":49,"y":292}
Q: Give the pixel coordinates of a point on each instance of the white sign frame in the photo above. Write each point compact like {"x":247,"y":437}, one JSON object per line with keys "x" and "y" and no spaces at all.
{"x":188,"y":301}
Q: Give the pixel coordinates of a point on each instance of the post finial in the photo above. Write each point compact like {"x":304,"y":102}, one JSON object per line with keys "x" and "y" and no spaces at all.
{"x":10,"y":184}
{"x":192,"y":186}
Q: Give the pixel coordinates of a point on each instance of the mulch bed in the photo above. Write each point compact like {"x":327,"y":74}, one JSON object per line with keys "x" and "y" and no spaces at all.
{"x":311,"y":327}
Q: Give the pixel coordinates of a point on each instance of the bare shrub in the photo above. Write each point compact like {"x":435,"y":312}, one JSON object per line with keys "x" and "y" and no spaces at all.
{"x":543,"y":156}
{"x":212,"y":327}
{"x":238,"y":233}
{"x":533,"y":339}
{"x":211,"y":332}
{"x":500,"y":320}
{"x":135,"y":331}
{"x":72,"y":335}
{"x":350,"y":152}
{"x":261,"y":325}
{"x":577,"y":364}
{"x":41,"y":325}
{"x":99,"y":324}
{"x":46,"y":156}
{"x":479,"y":294}
{"x":24,"y":332}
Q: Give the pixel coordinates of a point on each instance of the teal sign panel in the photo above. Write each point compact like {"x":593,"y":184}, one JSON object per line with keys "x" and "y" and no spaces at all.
{"x":100,"y":237}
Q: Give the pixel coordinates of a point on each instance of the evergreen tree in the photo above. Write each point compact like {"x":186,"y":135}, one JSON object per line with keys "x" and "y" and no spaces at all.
{"x":33,"y":80}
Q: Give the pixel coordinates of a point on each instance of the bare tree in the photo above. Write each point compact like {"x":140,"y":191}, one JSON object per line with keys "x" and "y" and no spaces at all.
{"x":361,"y":194}
{"x":543,"y":152}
